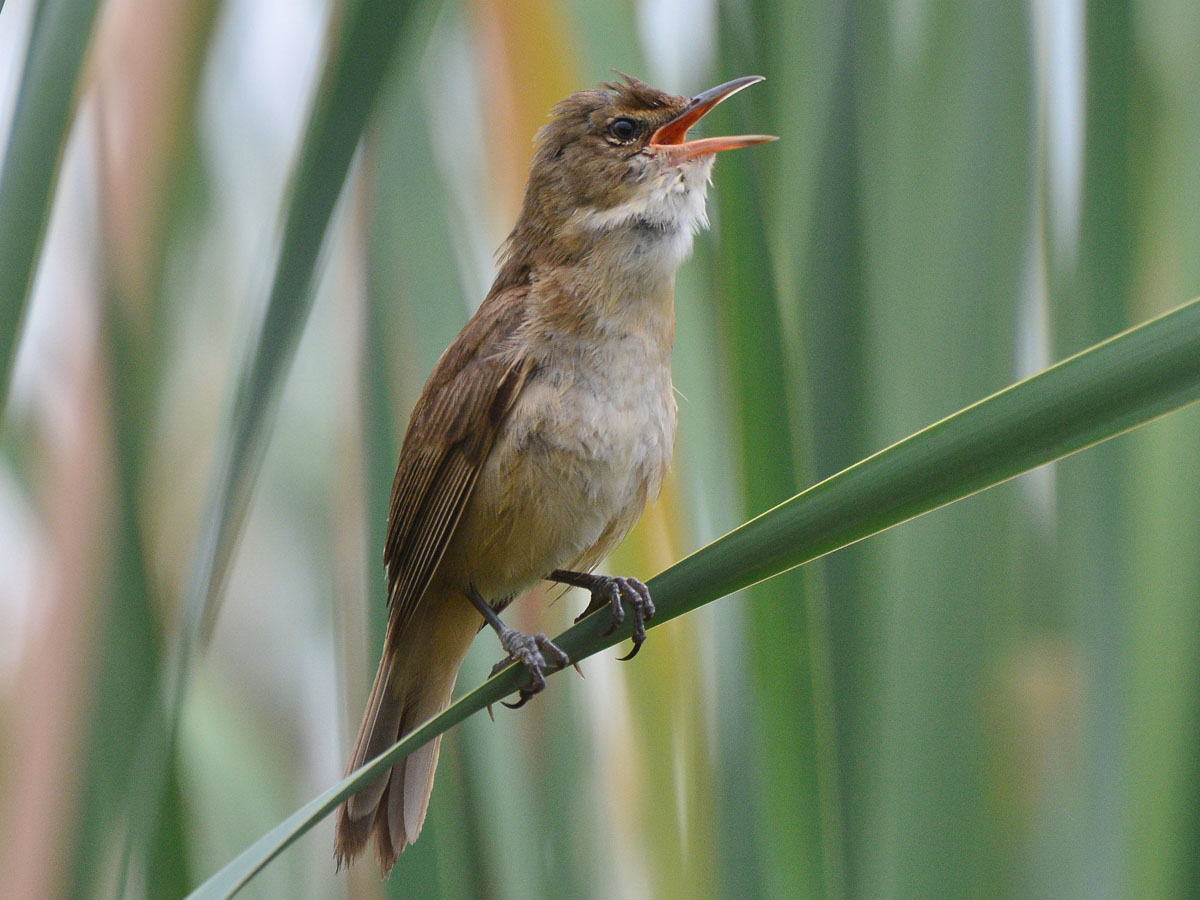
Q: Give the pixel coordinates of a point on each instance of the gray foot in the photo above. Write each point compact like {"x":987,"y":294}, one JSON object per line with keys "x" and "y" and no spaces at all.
{"x":609,"y":591}
{"x":531,"y":651}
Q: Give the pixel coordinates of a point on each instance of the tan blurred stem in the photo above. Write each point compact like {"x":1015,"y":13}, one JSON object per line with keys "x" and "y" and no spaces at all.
{"x":519,"y":86}
{"x":148,"y":65}
{"x":667,"y":705}
{"x":53,"y":687}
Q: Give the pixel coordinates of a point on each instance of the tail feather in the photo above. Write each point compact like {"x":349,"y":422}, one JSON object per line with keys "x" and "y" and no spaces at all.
{"x":418,"y":785}
{"x":386,"y":850}
{"x":379,"y":730}
{"x":413,"y":684}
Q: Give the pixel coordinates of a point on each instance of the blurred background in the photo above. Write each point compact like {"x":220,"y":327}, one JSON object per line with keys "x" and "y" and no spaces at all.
{"x":997,"y":700}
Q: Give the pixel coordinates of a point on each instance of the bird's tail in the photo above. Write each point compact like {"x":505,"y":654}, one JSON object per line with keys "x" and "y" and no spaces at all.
{"x":414,"y":683}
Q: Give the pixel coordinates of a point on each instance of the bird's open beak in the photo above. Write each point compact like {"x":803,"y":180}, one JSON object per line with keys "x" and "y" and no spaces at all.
{"x":672,"y":137}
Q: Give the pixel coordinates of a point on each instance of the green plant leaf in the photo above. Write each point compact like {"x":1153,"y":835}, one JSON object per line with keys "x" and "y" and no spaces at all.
{"x":41,"y":121}
{"x":1117,"y":385}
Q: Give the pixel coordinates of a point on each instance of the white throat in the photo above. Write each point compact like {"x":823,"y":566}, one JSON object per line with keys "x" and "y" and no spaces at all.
{"x":640,"y":243}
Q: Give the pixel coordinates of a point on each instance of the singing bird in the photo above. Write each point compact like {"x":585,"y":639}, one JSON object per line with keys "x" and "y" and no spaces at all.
{"x":545,"y":427}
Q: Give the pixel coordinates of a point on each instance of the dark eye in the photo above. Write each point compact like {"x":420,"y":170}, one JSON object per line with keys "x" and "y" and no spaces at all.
{"x":623,"y":129}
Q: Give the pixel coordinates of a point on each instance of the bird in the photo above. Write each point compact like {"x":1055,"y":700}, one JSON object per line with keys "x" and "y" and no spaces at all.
{"x":544,"y":429}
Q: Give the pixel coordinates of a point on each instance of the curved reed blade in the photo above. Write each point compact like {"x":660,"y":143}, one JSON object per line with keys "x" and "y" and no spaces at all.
{"x":1117,"y":385}
{"x":44,"y":112}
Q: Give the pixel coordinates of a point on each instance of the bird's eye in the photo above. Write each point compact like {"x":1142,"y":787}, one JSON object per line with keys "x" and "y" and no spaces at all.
{"x":623,"y":129}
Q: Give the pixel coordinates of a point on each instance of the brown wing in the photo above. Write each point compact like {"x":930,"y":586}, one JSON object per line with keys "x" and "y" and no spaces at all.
{"x":449,"y":436}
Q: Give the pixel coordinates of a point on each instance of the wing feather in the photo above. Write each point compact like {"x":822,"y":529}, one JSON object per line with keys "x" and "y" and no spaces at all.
{"x":451,"y":432}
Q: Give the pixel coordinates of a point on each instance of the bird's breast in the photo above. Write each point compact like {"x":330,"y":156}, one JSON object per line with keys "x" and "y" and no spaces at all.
{"x":608,"y":411}
{"x":585,"y":447}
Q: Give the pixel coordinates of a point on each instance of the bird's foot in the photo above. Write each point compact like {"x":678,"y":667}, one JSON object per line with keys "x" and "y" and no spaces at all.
{"x":531,"y":650}
{"x":608,"y":590}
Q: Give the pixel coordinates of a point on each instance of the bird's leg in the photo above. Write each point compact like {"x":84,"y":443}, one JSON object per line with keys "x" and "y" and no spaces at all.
{"x":530,"y":650}
{"x":607,"y":590}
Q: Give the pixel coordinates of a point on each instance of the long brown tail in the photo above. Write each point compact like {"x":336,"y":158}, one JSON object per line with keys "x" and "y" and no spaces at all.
{"x":414,"y":683}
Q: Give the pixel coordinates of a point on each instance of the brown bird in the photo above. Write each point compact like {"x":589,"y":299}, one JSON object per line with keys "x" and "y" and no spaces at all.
{"x":545,"y":427}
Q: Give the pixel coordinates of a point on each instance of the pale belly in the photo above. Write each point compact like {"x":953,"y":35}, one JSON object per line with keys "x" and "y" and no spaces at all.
{"x":586,"y":446}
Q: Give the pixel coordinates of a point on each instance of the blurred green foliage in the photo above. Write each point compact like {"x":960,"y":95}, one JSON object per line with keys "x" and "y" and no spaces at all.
{"x":996,"y":700}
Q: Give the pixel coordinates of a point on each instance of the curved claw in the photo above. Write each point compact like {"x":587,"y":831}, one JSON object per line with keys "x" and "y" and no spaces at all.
{"x":610,"y":591}
{"x":531,"y":651}
{"x":638,"y":637}
{"x":642,"y":606}
{"x":523,"y":694}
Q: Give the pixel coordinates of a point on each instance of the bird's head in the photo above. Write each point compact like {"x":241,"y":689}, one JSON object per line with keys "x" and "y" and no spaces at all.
{"x":618,"y":158}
